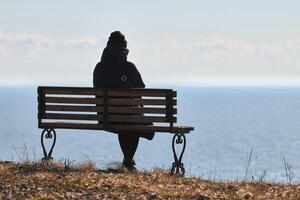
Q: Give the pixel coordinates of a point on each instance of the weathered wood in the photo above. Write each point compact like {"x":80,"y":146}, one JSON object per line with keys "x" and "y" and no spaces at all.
{"x":150,"y":128}
{"x":71,"y":91}
{"x":72,"y":100}
{"x":138,"y":118}
{"x":134,"y":102}
{"x":105,"y":110}
{"x":74,"y":108}
{"x":121,"y":106}
{"x":41,"y":105}
{"x":134,"y":93}
{"x":169,"y":107}
{"x":181,"y":129}
{"x":111,"y":92}
{"x":111,"y":101}
{"x":65,"y":125}
{"x":138,"y":110}
{"x":138,"y":128}
{"x":116,"y":128}
{"x":58,"y":116}
{"x":111,"y":118}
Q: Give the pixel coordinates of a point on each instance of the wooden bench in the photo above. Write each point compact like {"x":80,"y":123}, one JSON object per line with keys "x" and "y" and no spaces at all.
{"x":114,"y":110}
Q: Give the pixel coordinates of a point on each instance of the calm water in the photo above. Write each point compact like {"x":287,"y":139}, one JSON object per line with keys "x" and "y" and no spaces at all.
{"x":228,"y":122}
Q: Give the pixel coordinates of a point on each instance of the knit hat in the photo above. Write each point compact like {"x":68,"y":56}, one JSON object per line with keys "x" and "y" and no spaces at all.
{"x":116,"y":38}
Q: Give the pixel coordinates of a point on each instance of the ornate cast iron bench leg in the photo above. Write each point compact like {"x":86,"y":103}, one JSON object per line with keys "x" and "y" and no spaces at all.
{"x":177,"y":166}
{"x":50,"y":134}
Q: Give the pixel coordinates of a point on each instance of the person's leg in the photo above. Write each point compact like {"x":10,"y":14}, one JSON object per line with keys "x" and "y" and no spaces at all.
{"x":128,"y":144}
{"x":123,"y":143}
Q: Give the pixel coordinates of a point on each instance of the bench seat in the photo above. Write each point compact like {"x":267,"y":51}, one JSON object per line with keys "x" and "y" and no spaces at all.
{"x":119,"y":128}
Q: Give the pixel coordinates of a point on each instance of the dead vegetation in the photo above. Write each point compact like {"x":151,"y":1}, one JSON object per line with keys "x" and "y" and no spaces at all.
{"x":64,"y":180}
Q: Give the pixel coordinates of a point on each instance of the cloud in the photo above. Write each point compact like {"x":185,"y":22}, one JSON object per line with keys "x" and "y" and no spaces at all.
{"x":28,"y":56}
{"x":217,"y":58}
{"x":220,"y":50}
{"x":293,"y":48}
{"x":27,"y":42}
{"x":215,"y":49}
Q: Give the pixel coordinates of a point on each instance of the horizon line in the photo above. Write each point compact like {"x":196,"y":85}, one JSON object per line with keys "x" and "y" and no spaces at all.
{"x":156,"y":84}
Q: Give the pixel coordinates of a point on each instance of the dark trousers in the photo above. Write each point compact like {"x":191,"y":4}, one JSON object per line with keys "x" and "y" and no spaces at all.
{"x":128,"y":143}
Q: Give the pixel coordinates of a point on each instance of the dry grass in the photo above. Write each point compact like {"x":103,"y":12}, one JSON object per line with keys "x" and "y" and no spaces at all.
{"x":64,"y":180}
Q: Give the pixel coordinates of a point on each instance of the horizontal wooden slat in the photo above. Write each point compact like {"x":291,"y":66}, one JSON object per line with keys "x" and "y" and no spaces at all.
{"x":74,"y":108}
{"x":111,"y":101}
{"x":140,"y":92}
{"x":111,"y":118}
{"x":70,"y":116}
{"x":181,"y":129}
{"x":139,"y":110}
{"x":71,"y":125}
{"x":111,"y":92}
{"x":138,"y":128}
{"x":73,"y":100}
{"x":71,"y":91}
{"x":149,"y":128}
{"x":128,"y":101}
{"x":114,"y":128}
{"x":132,"y":118}
{"x":129,"y":110}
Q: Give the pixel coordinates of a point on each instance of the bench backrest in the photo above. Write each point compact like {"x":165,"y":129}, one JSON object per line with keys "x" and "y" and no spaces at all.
{"x":106,"y":109}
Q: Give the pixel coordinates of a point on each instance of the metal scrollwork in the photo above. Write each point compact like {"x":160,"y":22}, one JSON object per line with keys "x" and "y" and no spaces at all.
{"x":48,"y":134}
{"x":177,"y":166}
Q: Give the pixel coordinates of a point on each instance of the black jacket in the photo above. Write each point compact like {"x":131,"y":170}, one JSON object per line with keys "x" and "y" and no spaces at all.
{"x":114,"y":71}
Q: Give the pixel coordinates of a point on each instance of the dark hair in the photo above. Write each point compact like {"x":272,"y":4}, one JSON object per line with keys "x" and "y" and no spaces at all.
{"x":116,"y":38}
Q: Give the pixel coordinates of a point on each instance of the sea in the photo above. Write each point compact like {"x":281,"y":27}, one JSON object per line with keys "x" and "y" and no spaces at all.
{"x":241,"y":133}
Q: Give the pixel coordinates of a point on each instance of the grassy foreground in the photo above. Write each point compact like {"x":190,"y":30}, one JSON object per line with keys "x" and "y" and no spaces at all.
{"x":54,"y":180}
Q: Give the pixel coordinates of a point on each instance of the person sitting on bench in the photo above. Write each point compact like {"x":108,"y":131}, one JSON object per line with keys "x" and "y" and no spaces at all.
{"x":114,"y":71}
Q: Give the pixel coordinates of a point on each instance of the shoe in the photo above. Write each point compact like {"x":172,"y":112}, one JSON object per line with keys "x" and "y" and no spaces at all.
{"x":130,"y":166}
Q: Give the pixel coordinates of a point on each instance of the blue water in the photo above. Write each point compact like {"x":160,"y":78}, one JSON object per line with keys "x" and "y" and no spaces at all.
{"x":228,"y":121}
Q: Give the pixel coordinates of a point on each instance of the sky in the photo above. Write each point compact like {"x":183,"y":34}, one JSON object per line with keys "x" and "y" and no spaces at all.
{"x":194,"y":42}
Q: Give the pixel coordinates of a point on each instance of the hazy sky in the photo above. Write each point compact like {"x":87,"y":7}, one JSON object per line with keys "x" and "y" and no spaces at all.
{"x":173,"y":42}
